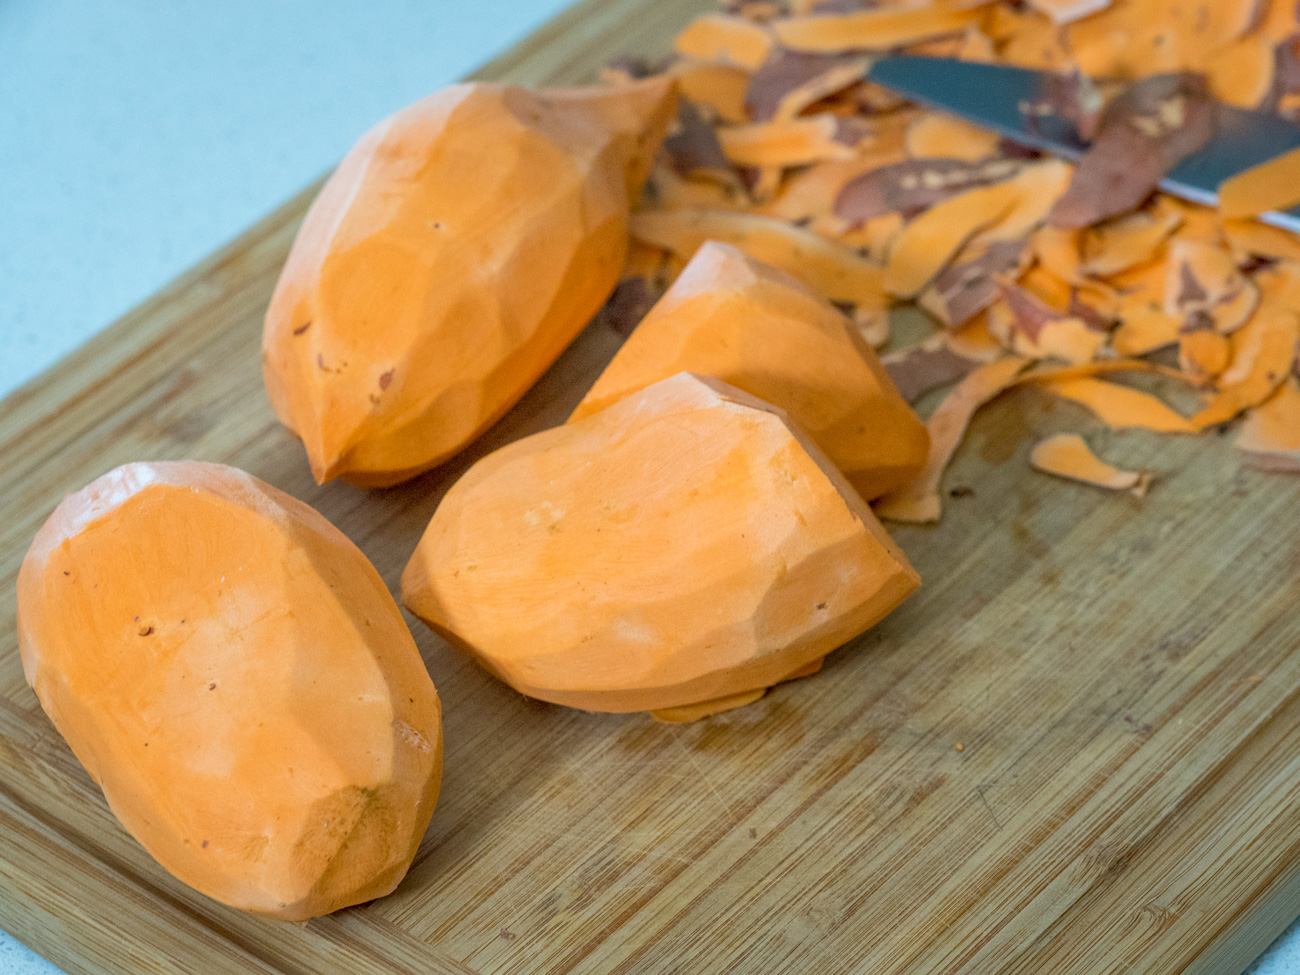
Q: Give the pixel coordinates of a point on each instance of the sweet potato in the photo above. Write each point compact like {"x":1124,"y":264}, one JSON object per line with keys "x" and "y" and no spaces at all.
{"x":684,"y":545}
{"x":758,"y":329}
{"x":234,"y":674}
{"x":455,"y":252}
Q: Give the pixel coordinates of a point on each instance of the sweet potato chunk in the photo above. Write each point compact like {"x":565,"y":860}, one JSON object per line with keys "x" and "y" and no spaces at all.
{"x":760,"y":330}
{"x":684,"y":545}
{"x":234,"y":674}
{"x":455,"y":252}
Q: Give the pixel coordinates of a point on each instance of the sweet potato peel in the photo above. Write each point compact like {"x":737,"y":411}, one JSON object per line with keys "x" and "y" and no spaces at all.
{"x":1263,"y":355}
{"x":1206,"y":290}
{"x":1077,"y":270}
{"x":1068,"y":455}
{"x":918,"y":369}
{"x":916,"y":185}
{"x":966,"y":288}
{"x":1143,"y":134}
{"x":831,"y":269}
{"x":947,"y":137}
{"x":1274,"y":185}
{"x":918,"y":500}
{"x":874,"y":29}
{"x":788,"y":82}
{"x":1270,"y":435}
{"x":796,"y":142}
{"x":1120,"y":407}
{"x":732,"y":40}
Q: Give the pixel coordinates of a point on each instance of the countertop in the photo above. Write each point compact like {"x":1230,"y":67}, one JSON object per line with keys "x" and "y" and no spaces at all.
{"x":135,"y":139}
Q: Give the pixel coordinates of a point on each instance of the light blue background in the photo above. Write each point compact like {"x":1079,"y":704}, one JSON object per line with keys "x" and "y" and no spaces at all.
{"x":136,"y":137}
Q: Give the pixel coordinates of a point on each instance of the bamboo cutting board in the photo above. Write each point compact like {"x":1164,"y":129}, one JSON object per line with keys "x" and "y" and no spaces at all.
{"x":1121,"y":677}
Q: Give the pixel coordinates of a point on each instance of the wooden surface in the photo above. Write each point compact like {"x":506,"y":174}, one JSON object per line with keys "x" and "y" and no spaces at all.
{"x":1122,"y":677}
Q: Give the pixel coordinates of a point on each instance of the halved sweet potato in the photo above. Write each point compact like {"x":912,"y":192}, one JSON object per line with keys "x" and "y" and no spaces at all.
{"x":686,"y":544}
{"x":455,"y":252}
{"x":234,"y":674}
{"x":755,"y":327}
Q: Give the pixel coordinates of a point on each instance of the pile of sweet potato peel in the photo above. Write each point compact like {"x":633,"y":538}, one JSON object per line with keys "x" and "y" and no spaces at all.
{"x":1069,"y":277}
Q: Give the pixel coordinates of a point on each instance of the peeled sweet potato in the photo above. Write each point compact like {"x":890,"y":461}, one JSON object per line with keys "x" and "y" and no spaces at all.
{"x":455,"y":252}
{"x":234,"y":674}
{"x":684,"y":545}
{"x":755,"y":327}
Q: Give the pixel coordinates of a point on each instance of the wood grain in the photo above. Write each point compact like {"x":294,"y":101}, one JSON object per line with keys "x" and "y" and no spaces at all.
{"x":1122,"y":676}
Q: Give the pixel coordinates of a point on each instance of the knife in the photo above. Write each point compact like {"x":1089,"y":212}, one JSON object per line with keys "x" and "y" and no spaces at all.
{"x":991,"y":95}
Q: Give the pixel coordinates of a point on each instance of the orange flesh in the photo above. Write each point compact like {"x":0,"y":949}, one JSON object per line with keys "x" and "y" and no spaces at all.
{"x":235,"y":676}
{"x":946,"y":136}
{"x":918,"y":500}
{"x":1068,"y":455}
{"x":1206,"y":289}
{"x":694,"y":712}
{"x":797,"y":142}
{"x":411,"y":314}
{"x":929,"y":242}
{"x":685,"y":544}
{"x":871,"y":30}
{"x":1270,"y":435}
{"x":733,"y":40}
{"x":812,"y":91}
{"x":1120,"y":407}
{"x":1059,"y":252}
{"x":813,"y":191}
{"x":1006,"y":210}
{"x":1249,"y":238}
{"x":1242,"y":73}
{"x":721,"y":87}
{"x":1127,"y":241}
{"x":705,"y":709}
{"x":758,"y":329}
{"x":1204,"y":353}
{"x":1160,"y":272}
{"x":829,"y":269}
{"x":1274,"y":185}
{"x":1262,"y":355}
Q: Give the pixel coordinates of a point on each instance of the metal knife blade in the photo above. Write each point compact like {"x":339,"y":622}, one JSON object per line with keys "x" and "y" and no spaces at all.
{"x":992,"y":95}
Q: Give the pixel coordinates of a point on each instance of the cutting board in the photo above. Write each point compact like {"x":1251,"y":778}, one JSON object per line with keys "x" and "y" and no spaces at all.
{"x":1075,"y":750}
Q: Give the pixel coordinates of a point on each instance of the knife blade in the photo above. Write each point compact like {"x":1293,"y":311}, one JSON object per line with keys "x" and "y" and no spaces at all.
{"x":992,"y":96}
